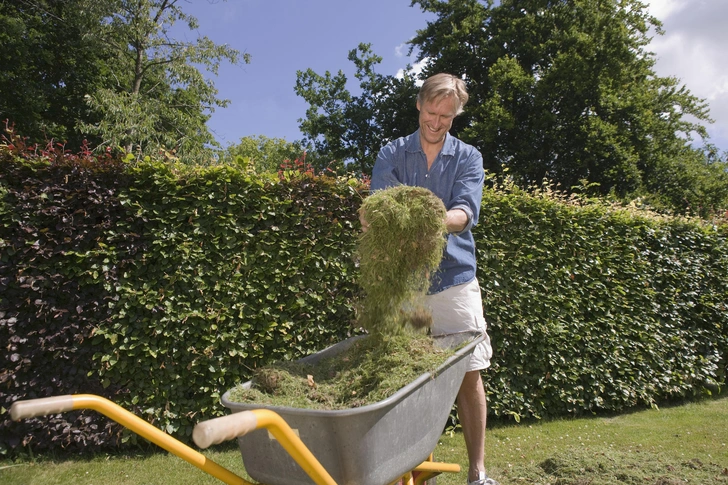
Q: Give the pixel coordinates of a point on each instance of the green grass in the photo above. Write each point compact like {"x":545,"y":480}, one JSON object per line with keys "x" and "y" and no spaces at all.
{"x":124,"y":469}
{"x":679,"y":444}
{"x":674,"y":445}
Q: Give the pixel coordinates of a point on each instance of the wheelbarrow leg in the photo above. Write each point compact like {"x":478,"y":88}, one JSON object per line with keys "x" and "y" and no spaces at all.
{"x":53,"y":405}
{"x":425,"y":471}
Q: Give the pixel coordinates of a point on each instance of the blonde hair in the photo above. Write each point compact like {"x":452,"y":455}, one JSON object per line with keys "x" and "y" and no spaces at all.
{"x":441,"y":86}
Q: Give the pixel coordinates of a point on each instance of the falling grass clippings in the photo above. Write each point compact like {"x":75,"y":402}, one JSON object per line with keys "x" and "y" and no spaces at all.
{"x":398,"y":254}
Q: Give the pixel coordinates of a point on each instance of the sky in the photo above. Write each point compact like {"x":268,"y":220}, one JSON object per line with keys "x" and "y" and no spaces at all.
{"x":286,"y":36}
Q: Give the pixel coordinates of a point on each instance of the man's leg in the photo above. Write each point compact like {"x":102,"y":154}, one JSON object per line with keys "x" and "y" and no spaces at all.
{"x":472,"y":411}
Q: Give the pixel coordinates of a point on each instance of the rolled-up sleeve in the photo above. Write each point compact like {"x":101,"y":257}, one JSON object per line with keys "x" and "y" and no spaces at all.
{"x":467,"y":191}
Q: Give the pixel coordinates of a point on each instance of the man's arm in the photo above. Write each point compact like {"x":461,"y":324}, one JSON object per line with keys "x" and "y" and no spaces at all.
{"x":385,"y":172}
{"x":456,"y":221}
{"x":383,"y":175}
{"x":467,"y":194}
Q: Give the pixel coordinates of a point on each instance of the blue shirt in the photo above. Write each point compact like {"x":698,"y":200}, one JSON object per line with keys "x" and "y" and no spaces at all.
{"x":456,"y":176}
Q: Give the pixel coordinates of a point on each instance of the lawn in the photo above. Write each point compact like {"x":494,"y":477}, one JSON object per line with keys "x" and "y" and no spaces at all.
{"x":678,"y":444}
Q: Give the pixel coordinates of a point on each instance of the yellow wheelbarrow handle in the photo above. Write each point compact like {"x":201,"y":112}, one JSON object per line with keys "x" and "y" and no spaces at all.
{"x":225,"y":428}
{"x":59,"y":404}
{"x":205,"y":434}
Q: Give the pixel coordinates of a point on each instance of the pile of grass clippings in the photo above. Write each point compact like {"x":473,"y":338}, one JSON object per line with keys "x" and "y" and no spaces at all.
{"x":398,"y":253}
{"x":576,"y":466}
{"x":363,"y":374}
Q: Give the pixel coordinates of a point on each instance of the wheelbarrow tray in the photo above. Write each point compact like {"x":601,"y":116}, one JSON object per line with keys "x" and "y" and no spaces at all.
{"x":369,"y":445}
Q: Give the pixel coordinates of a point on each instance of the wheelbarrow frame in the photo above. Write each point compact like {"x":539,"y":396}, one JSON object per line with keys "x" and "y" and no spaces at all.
{"x":236,"y":425}
{"x":211,"y":432}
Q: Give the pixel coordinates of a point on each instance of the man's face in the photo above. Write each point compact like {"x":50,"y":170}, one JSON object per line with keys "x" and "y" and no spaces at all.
{"x":436,"y":118}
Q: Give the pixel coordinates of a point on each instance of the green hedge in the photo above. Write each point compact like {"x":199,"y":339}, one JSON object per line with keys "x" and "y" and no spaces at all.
{"x":160,"y":287}
{"x":594,"y":308}
{"x":232,"y":271}
{"x":54,"y":219}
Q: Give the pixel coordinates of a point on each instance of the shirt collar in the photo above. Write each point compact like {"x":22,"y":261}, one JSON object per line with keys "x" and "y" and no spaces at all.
{"x":448,"y":148}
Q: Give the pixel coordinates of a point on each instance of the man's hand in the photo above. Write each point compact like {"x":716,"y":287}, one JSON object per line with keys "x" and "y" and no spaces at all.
{"x":455,"y":220}
{"x":363,"y":221}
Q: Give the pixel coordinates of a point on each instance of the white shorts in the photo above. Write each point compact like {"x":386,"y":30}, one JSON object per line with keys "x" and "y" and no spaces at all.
{"x":460,"y":309}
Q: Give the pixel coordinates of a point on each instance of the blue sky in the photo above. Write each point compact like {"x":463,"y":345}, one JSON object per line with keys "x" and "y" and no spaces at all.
{"x":285,"y":36}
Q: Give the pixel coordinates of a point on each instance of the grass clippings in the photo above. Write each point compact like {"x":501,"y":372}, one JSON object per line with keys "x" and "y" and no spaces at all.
{"x":398,"y":255}
{"x":370,"y":371}
{"x":576,"y":466}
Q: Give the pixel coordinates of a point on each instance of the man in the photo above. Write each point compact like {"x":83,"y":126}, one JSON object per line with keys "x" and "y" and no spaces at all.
{"x":453,"y":170}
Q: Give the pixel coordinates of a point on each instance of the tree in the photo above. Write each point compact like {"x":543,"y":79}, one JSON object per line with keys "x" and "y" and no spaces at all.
{"x":262,"y":154}
{"x":112,"y":71}
{"x":345,"y":130}
{"x":159,"y":97}
{"x":565,"y":90}
{"x":561,"y":90}
{"x":694,"y":183}
{"x":49,"y":60}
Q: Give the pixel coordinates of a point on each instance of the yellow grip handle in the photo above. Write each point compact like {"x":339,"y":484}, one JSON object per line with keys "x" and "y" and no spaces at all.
{"x":214,"y":431}
{"x":41,"y":407}
{"x":237,"y":424}
{"x":51,"y":405}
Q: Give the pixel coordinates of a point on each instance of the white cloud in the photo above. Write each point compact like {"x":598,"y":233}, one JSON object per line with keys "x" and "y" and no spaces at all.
{"x":693,"y":50}
{"x":664,"y":8}
{"x":416,"y":69}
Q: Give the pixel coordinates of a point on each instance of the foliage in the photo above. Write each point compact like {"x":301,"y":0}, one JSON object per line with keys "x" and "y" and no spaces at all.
{"x":160,"y":98}
{"x":249,"y":261}
{"x":566,"y":91}
{"x":123,"y":79}
{"x":593,"y":308}
{"x":559,"y":90}
{"x":42,"y":92}
{"x":187,"y":281}
{"x":696,"y":184}
{"x":160,"y":286}
{"x":57,"y":212}
{"x":261,"y":154}
{"x":351,"y":129}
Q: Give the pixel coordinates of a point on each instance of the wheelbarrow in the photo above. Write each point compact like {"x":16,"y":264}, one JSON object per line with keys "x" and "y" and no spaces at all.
{"x":388,"y":442}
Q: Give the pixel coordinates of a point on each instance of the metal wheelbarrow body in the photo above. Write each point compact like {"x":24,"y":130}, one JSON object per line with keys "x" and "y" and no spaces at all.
{"x":369,"y":445}
{"x":387,"y":442}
